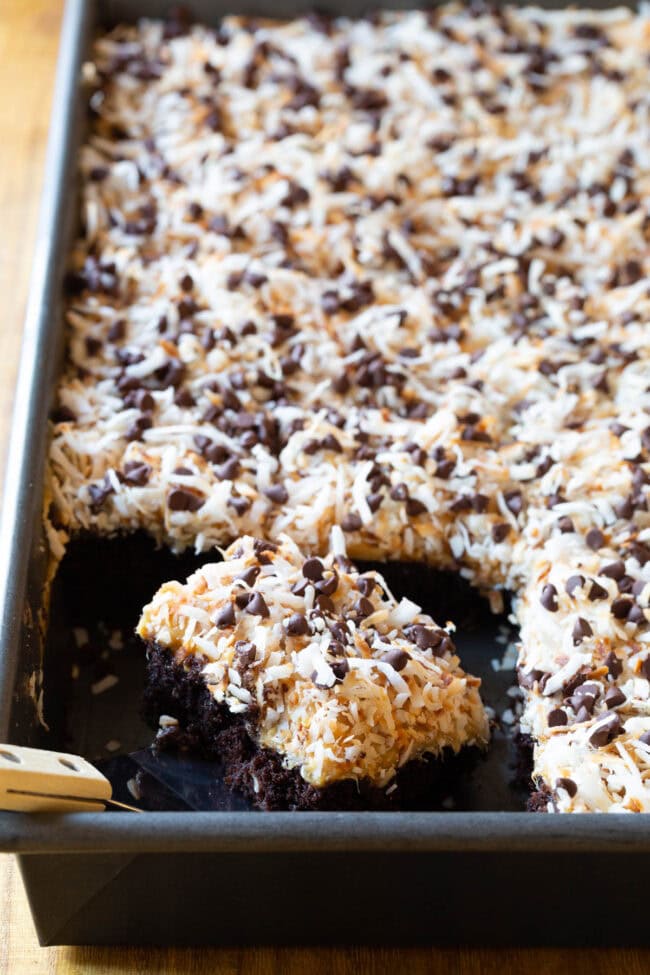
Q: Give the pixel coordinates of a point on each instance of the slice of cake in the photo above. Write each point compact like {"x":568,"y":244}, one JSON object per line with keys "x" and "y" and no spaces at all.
{"x":585,"y":666}
{"x":308,"y":679}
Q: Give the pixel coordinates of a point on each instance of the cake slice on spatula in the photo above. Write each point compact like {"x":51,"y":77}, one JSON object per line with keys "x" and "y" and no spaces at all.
{"x":310,"y":683}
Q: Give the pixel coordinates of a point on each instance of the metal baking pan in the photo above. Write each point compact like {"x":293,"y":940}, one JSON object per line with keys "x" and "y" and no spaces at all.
{"x":483,"y":875}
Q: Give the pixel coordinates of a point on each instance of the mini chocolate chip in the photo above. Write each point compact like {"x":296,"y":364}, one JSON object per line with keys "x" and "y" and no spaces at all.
{"x":514,"y":501}
{"x":245,"y":652}
{"x":445,"y":468}
{"x":213,"y":452}
{"x":297,"y":625}
{"x":425,"y":637}
{"x":277,"y":493}
{"x":248,"y":575}
{"x":584,"y":712}
{"x":645,"y":737}
{"x":573,"y":583}
{"x":136,"y":473}
{"x":418,"y":455}
{"x":365,"y":585}
{"x":340,"y":633}
{"x":117,"y":331}
{"x":325,"y":604}
{"x":528,"y":680}
{"x":300,"y":588}
{"x":565,"y":525}
{"x":331,"y":443}
{"x":351,"y":522}
{"x":397,"y":658}
{"x":626,"y":585}
{"x":229,"y":470}
{"x":606,"y":729}
{"x":261,"y":545}
{"x":473,"y":433}
{"x":614,"y":570}
{"x":186,"y":282}
{"x":181,"y":499}
{"x":367,"y":99}
{"x":327,"y":585}
{"x":548,"y":598}
{"x":595,"y":539}
{"x":621,"y":607}
{"x":208,"y":340}
{"x":141,"y":399}
{"x":375,"y":501}
{"x":613,"y":664}
{"x":625,"y":508}
{"x":363,"y":607}
{"x":255,"y":278}
{"x":645,"y":668}
{"x":340,"y":668}
{"x":336,"y":647}
{"x":640,"y":552}
{"x":500,"y":531}
{"x":553,"y":499}
{"x":596,"y":592}
{"x":256,"y":606}
{"x":587,"y":688}
{"x":568,"y":785}
{"x":414,"y":507}
{"x":194,"y":212}
{"x":312,"y":569}
{"x":400,"y":492}
{"x":341,"y":384}
{"x":139,"y":425}
{"x":183,"y":398}
{"x":636,"y":615}
{"x":614,"y":697}
{"x":310,"y":447}
{"x":225,"y":617}
{"x":98,"y":173}
{"x":242,"y":599}
{"x":99,"y":493}
{"x":581,"y":629}
{"x":557,"y":717}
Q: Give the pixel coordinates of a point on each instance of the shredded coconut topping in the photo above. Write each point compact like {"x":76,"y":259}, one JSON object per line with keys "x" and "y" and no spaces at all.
{"x":388,"y":275}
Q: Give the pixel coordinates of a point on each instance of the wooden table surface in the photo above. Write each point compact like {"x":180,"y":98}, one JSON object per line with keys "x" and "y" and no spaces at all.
{"x":28,"y":47}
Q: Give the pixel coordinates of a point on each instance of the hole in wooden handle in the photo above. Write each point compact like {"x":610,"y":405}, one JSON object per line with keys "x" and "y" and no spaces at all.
{"x":10,"y":757}
{"x":68,"y":764}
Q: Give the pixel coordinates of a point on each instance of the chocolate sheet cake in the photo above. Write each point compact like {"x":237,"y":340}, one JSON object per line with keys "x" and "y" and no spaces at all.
{"x":386,"y":277}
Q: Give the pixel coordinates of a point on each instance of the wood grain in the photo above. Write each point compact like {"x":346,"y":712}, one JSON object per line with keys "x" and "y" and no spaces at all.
{"x":28,"y":43}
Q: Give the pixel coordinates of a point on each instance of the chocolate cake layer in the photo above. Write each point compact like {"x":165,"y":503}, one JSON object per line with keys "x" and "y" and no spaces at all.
{"x":209,"y":729}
